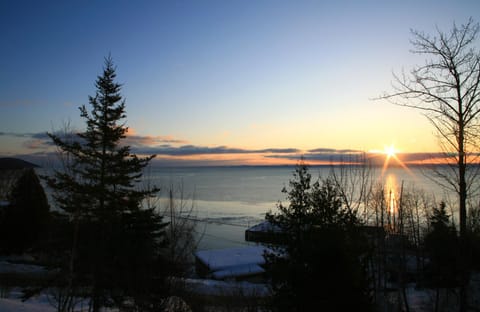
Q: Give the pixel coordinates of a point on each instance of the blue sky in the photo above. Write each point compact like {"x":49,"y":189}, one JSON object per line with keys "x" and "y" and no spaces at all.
{"x":220,"y":75}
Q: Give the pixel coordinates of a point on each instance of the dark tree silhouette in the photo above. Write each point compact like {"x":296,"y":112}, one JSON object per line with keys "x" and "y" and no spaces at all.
{"x":439,"y":243}
{"x":447,"y":89}
{"x":320,"y":265}
{"x":25,"y":220}
{"x":116,"y":243}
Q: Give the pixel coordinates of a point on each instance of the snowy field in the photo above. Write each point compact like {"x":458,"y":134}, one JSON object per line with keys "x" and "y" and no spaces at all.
{"x":10,"y":298}
{"x":14,"y":304}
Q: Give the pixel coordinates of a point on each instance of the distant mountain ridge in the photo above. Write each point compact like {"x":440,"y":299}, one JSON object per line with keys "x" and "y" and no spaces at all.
{"x":9,"y":163}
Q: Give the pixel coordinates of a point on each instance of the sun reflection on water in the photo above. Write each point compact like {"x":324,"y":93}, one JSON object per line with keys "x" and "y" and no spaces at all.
{"x":391,"y":191}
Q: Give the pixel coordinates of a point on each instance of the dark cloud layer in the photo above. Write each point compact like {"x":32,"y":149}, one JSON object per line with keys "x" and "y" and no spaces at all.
{"x":326,"y":155}
{"x":41,"y":142}
{"x":139,"y":140}
{"x":412,"y":157}
{"x":192,"y":150}
{"x":151,"y":145}
{"x":333,"y":151}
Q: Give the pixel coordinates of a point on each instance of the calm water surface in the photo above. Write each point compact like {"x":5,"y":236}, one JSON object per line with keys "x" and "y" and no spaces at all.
{"x":227,"y":200}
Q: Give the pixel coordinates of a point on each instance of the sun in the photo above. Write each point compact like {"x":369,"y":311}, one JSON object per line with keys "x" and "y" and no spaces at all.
{"x":390,"y":154}
{"x":392,"y":157}
{"x":390,"y":151}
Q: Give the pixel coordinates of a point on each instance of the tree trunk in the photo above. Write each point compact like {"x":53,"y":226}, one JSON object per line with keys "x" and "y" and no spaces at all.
{"x":462,"y":212}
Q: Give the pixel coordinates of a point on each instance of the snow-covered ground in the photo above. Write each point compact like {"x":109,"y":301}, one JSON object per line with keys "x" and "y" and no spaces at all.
{"x":6,"y":266}
{"x":233,"y":262}
{"x":10,"y":299}
{"x":14,"y":304}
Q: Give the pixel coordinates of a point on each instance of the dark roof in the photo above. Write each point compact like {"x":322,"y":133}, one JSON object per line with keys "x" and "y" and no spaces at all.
{"x":8,"y":163}
{"x":266,"y":232}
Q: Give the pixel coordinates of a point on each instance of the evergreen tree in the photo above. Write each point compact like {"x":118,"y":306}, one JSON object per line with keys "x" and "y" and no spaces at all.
{"x":24,"y":222}
{"x":441,"y":244}
{"x":320,"y":264}
{"x":115,"y":242}
{"x":474,"y":237}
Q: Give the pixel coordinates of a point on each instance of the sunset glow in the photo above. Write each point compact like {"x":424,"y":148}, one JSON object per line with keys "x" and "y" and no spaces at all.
{"x":226,"y":83}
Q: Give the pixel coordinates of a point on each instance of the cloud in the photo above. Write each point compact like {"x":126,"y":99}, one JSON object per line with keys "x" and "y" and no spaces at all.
{"x":17,"y":135}
{"x":333,"y":157}
{"x":139,"y":140}
{"x":167,"y":147}
{"x":160,"y":145}
{"x":41,"y":140}
{"x":134,"y":139}
{"x":280,"y":150}
{"x":191,"y":150}
{"x":34,"y":141}
{"x":330,"y":155}
{"x":37,"y":144}
{"x":333,"y":151}
{"x":418,"y":157}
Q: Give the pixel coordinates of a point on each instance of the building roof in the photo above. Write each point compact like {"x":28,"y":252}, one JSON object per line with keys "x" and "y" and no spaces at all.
{"x":219,"y":259}
{"x":266,"y":232}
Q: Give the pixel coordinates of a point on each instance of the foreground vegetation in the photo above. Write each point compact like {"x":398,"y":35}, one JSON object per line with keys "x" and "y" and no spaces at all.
{"x":368,"y":256}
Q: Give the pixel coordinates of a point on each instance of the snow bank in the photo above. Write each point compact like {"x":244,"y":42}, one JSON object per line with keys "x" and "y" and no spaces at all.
{"x":16,"y":305}
{"x":222,"y":259}
{"x":238,"y":271}
{"x":35,"y":304}
{"x":20,"y":268}
{"x":232,"y":262}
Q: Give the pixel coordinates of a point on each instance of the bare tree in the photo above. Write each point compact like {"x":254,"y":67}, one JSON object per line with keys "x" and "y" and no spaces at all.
{"x":355,"y":179}
{"x":63,"y":296}
{"x":183,"y":233}
{"x":183,"y":226}
{"x":447,"y":89}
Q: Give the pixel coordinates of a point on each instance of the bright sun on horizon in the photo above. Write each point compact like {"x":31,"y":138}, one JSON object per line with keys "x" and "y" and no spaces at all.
{"x":390,"y":151}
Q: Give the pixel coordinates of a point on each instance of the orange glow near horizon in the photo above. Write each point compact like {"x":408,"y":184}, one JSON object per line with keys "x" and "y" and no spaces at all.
{"x":391,"y":153}
{"x":385,"y":158}
{"x":229,"y":159}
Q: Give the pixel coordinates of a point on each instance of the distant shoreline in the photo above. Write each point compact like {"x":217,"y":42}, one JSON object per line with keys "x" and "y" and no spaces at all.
{"x":153,"y":165}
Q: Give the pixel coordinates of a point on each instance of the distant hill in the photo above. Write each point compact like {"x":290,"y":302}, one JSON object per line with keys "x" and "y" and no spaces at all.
{"x":15,"y":163}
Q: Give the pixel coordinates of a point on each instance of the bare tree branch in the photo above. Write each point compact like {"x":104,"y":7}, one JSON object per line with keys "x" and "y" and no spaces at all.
{"x":445,"y":89}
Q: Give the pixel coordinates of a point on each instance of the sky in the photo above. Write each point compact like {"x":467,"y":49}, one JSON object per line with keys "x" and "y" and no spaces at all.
{"x":220,"y":82}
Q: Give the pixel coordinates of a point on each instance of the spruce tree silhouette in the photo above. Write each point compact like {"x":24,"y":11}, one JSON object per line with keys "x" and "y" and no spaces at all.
{"x":319,"y":267}
{"x":115,"y":242}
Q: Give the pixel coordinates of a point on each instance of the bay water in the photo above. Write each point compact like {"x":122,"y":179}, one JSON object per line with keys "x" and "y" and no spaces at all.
{"x":228,"y":200}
